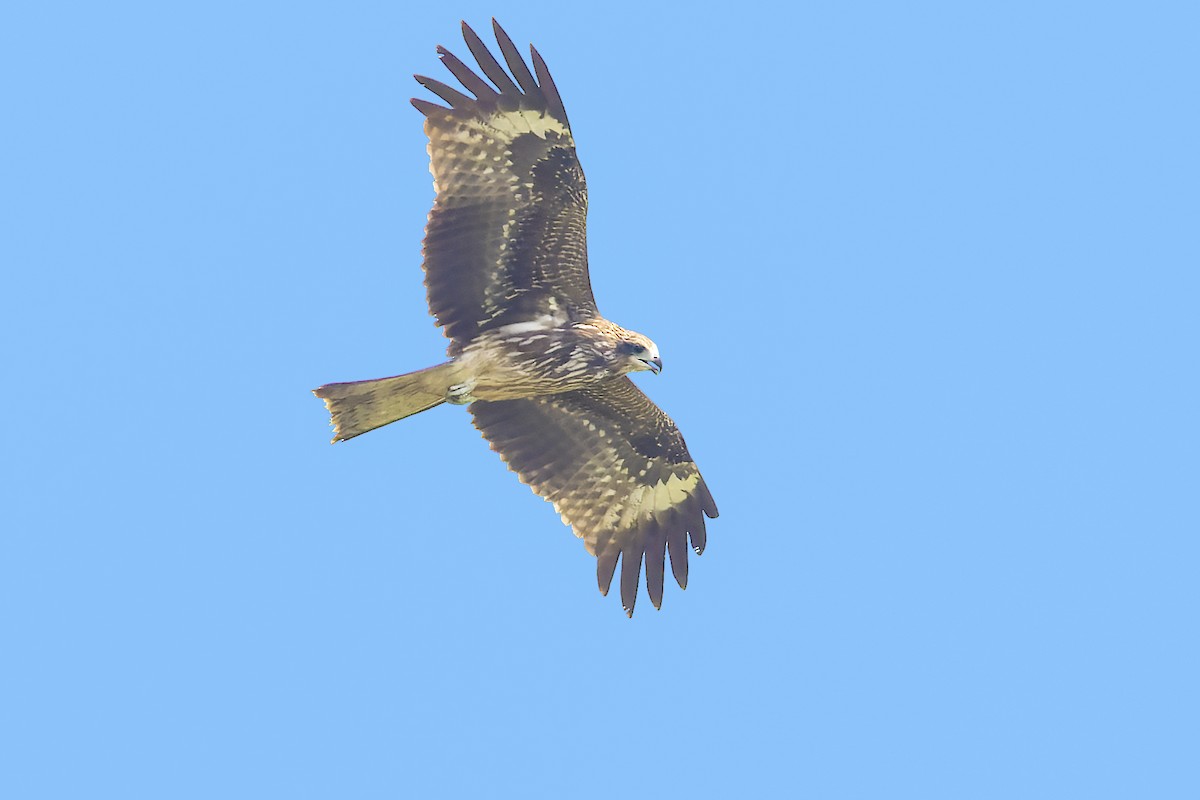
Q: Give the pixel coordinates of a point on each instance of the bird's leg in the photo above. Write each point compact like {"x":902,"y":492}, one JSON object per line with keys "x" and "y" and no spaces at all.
{"x":460,"y":393}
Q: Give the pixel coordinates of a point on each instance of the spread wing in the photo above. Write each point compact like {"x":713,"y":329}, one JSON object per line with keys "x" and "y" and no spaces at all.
{"x":506,"y":238}
{"x":617,"y":470}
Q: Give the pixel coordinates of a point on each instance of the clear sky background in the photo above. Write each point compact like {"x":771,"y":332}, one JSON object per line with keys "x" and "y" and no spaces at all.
{"x":925,"y":279}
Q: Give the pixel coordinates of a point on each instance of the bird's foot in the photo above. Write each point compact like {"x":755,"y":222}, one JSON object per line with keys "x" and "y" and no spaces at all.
{"x":460,"y":393}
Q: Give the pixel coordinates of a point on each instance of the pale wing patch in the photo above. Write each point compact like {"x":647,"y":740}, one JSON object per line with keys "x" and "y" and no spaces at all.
{"x":674,"y":491}
{"x":516,"y":123}
{"x":505,"y":126}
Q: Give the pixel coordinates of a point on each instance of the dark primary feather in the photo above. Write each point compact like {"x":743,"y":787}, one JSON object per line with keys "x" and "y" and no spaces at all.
{"x":516,"y":64}
{"x":475,"y":84}
{"x":448,"y":93}
{"x":553,"y":100}
{"x":488,"y":63}
{"x":509,"y":219}
{"x":598,"y":454}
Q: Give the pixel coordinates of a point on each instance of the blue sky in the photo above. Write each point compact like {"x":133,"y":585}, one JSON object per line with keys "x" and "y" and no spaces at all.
{"x":924,"y":277}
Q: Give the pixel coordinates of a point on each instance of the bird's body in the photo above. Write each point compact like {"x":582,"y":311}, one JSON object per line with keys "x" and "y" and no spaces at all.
{"x":543,"y":356}
{"x":544,"y":373}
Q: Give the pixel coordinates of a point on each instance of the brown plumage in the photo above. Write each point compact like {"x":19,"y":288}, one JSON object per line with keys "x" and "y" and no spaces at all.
{"x":506,"y":271}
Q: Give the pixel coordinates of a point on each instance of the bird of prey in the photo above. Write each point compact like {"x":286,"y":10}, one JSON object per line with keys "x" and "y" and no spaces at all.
{"x":544,"y":374}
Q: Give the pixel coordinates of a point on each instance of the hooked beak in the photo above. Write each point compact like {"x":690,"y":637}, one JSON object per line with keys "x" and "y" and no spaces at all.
{"x":653,"y":364}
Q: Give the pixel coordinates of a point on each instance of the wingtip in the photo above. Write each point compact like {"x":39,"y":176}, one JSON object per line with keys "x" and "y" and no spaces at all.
{"x":425,"y":107}
{"x":606,"y":567}
{"x":707,"y":503}
{"x":548,"y":88}
{"x":467,"y":30}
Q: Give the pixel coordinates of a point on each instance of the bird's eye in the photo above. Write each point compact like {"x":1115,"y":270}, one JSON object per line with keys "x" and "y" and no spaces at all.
{"x":629,"y":348}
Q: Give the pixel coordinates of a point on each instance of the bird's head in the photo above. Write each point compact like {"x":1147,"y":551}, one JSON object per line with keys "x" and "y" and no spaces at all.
{"x":640,"y":353}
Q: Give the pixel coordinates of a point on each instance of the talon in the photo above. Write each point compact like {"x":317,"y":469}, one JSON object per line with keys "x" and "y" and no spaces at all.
{"x":460,"y":393}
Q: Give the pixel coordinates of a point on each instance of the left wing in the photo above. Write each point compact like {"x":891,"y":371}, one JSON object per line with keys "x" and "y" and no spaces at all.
{"x":616,"y":469}
{"x":507,"y":236}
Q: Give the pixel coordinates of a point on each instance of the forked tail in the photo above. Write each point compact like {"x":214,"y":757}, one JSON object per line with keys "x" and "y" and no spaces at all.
{"x":362,"y":406}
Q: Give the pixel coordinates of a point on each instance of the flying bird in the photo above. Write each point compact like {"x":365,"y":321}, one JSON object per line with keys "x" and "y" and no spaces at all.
{"x":544,"y":375}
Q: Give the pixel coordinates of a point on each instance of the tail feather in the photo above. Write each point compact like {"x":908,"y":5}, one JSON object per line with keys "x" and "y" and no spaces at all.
{"x":361,"y":406}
